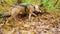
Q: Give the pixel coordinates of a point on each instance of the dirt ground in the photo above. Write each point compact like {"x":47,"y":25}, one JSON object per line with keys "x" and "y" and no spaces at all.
{"x":42,"y":24}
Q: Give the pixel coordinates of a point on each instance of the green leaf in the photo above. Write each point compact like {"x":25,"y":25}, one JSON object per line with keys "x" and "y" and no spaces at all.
{"x":49,"y":5}
{"x":11,"y":1}
{"x":10,"y":23}
{"x":1,"y":12}
{"x":36,"y":2}
{"x":1,"y":19}
{"x":0,"y":0}
{"x":26,"y":1}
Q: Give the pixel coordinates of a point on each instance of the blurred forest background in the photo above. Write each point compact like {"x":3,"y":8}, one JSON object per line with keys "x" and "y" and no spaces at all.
{"x":52,"y":4}
{"x":44,"y":23}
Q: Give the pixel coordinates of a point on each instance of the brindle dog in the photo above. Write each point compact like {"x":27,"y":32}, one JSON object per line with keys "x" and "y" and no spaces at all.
{"x":21,"y":8}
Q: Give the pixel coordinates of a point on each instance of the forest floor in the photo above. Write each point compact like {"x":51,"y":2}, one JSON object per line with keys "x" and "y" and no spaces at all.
{"x":42,"y":24}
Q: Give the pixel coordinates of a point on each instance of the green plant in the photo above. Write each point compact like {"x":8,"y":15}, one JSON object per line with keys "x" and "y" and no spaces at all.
{"x":0,"y":1}
{"x":10,"y":23}
{"x":49,"y":5}
{"x":11,"y":1}
{"x":26,"y":1}
{"x":31,"y":1}
{"x":1,"y":12}
{"x":1,"y":19}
